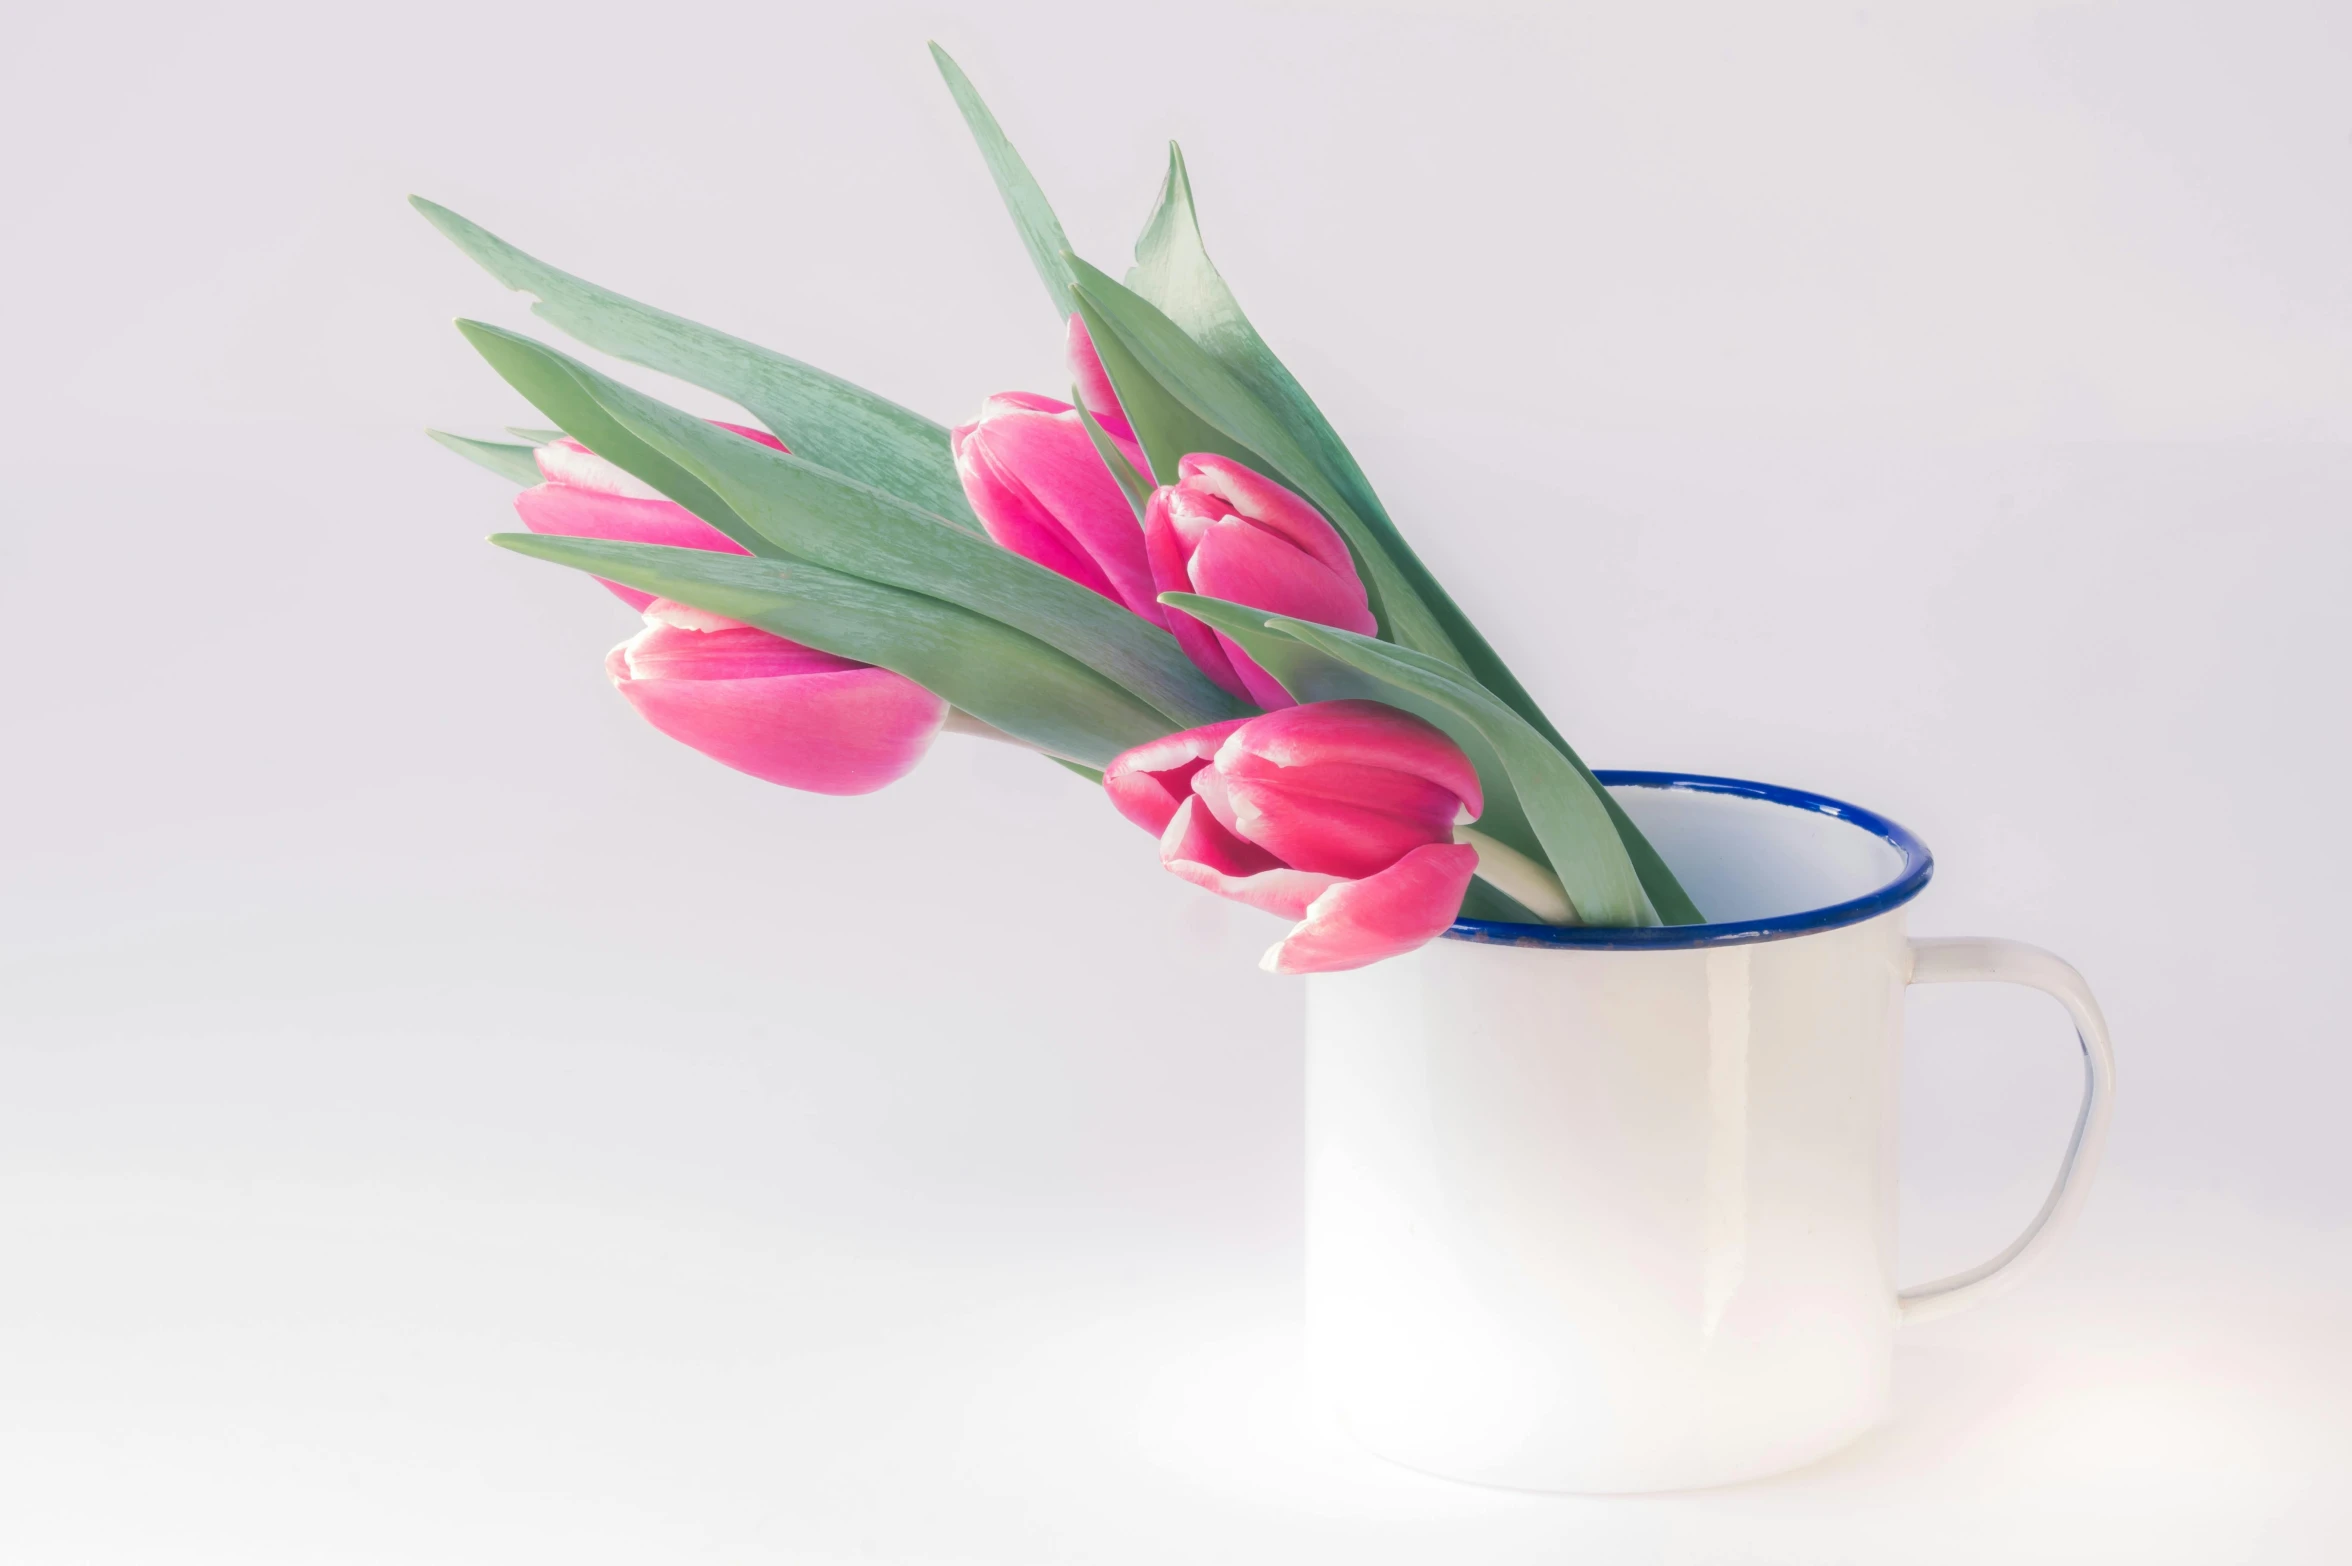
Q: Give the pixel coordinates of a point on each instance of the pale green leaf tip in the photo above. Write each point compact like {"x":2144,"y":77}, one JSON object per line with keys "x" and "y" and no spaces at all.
{"x":476,"y":332}
{"x":448,"y":222}
{"x":531,"y":544}
{"x":1175,"y":599}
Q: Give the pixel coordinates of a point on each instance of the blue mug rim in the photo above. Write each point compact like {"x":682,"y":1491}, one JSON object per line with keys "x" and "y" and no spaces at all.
{"x":1918,"y":865}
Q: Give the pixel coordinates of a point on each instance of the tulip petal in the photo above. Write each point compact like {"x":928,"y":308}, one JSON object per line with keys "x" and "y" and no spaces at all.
{"x":1041,"y":490}
{"x":1337,"y":835}
{"x":1147,"y":783}
{"x":1013,"y":517}
{"x":574,"y":466}
{"x":778,"y":710}
{"x":1018,"y":402}
{"x":844,"y":732}
{"x":668,"y":611}
{"x":1208,"y":786}
{"x":1226,"y":532}
{"x":1096,"y":394}
{"x":1196,"y":848}
{"x":565,"y":461}
{"x":587,"y":497}
{"x":1164,"y":546}
{"x":1049,"y":460}
{"x":575,"y":512}
{"x":679,"y":643}
{"x":1243,"y":563}
{"x":760,"y":437}
{"x":1278,"y":510}
{"x":1356,"y":923}
{"x":1356,"y":731}
{"x":1335,"y":814}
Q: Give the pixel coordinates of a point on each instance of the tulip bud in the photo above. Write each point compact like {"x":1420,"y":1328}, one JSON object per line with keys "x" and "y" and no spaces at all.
{"x":780,"y":711}
{"x":588,"y":497}
{"x":1040,"y":489}
{"x":1337,"y":814}
{"x":1226,"y":532}
{"x":1097,"y":396}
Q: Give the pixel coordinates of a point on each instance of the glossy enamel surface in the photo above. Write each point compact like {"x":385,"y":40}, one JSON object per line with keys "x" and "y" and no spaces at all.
{"x":1762,"y":862}
{"x":1613,"y":1218}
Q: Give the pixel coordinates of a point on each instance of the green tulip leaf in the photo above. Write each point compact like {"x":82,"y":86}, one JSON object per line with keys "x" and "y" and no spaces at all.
{"x":1173,"y":272}
{"x":1132,"y":484}
{"x":817,"y":515}
{"x":1165,"y":428}
{"x":1674,"y":905}
{"x":999,"y":675}
{"x":805,"y":512}
{"x":508,"y":462}
{"x":1024,"y":198}
{"x":821,"y":417}
{"x":1485,"y":900}
{"x":555,"y":386}
{"x":1242,"y":426}
{"x":535,"y":437}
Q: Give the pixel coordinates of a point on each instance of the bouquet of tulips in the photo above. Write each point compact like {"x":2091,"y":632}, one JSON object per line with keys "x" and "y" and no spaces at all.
{"x":1178,"y":585}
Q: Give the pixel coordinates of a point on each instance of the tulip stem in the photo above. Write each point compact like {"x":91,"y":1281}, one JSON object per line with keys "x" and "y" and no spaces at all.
{"x":1528,"y":882}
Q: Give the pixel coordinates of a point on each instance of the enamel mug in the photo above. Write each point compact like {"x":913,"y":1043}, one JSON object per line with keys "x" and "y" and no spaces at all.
{"x":1614,"y":1209}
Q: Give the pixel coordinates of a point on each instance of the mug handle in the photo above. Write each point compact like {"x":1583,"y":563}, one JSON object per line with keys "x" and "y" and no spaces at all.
{"x":1972,"y":959}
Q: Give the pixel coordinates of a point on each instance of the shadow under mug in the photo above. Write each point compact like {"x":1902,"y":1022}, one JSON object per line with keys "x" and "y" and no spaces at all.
{"x":1611,"y":1210}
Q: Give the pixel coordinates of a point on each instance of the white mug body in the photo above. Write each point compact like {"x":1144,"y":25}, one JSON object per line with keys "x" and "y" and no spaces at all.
{"x":1615,"y":1212}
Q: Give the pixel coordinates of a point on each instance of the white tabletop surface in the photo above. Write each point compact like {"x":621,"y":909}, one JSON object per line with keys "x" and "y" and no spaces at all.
{"x":441,"y":1121}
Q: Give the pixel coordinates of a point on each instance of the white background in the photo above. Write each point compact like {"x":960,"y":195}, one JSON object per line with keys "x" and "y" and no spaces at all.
{"x":441,"y":1120}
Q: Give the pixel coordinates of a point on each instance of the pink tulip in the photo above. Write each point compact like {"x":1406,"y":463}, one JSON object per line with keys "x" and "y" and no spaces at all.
{"x":588,"y":497}
{"x":1041,"y":489}
{"x":1225,"y":532}
{"x":773,"y":708}
{"x":1097,"y":396}
{"x":1338,"y":814}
